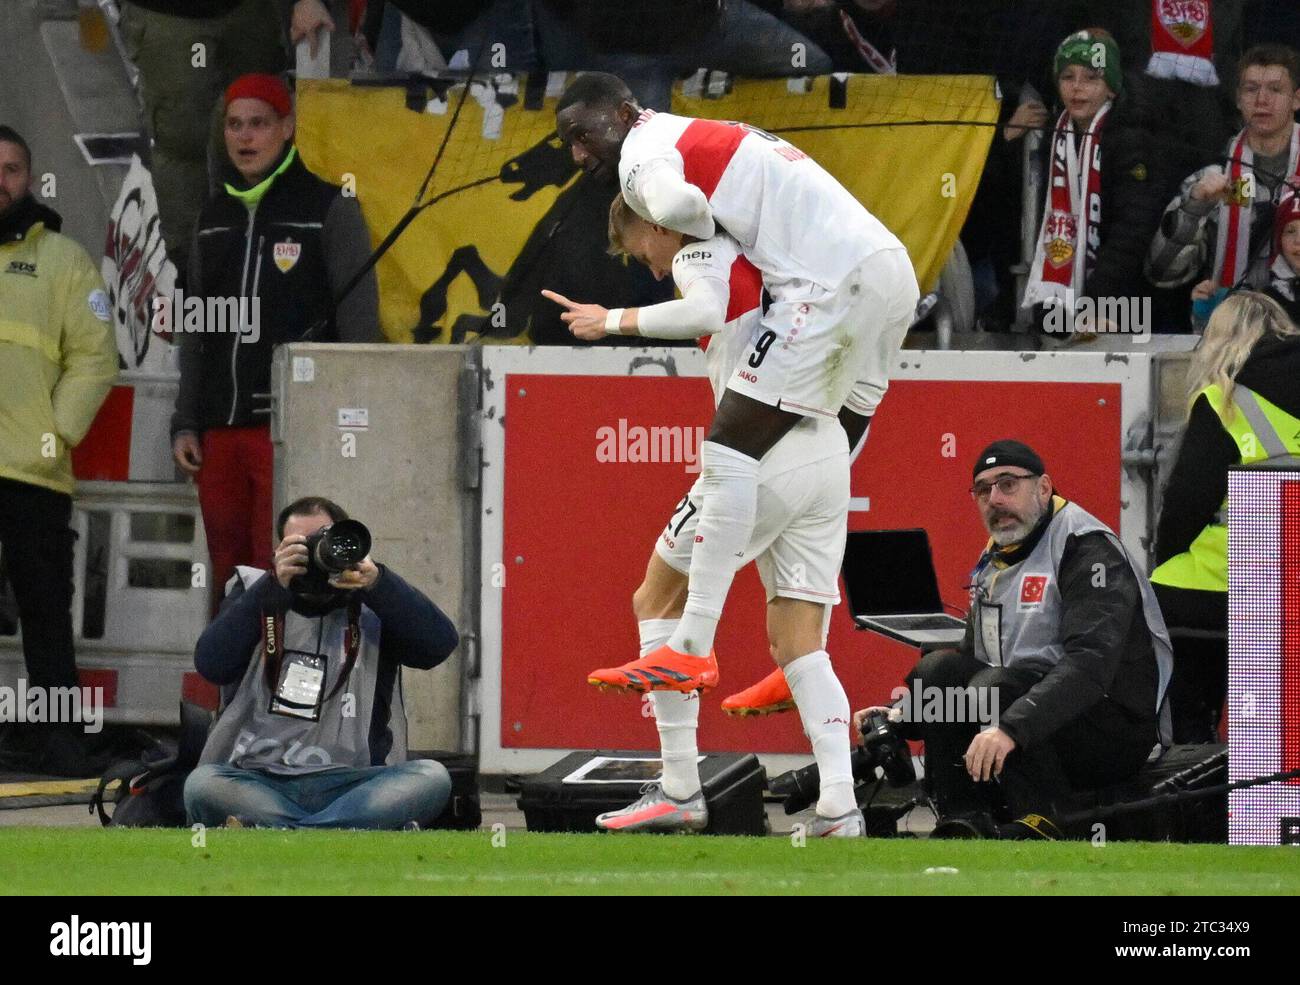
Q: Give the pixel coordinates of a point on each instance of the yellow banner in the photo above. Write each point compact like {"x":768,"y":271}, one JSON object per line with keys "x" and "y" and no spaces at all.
{"x":911,"y":148}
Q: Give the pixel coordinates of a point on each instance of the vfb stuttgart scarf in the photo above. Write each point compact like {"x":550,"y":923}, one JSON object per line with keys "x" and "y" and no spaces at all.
{"x":1069,"y":234}
{"x":1232,"y":248}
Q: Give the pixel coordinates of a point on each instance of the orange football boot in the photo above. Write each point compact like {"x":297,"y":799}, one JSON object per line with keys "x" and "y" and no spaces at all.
{"x":663,"y":670}
{"x":771,"y":694}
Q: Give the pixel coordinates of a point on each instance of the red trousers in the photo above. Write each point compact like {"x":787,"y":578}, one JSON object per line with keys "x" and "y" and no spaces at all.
{"x":235,"y":494}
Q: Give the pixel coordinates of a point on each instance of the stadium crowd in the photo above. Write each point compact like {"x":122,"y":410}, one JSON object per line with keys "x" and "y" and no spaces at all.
{"x":1194,"y":205}
{"x":1168,"y":102}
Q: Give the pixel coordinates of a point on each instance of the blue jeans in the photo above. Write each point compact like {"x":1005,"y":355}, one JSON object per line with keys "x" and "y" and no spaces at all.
{"x":377,"y":797}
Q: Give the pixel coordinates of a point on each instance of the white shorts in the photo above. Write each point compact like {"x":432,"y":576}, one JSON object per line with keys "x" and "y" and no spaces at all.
{"x":799,"y":532}
{"x":816,"y":350}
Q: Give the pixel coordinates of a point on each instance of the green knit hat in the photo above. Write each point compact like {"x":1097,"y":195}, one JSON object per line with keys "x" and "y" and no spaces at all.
{"x":1091,"y":51}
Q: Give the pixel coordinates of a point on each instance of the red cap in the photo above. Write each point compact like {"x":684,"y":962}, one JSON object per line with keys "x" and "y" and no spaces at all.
{"x":268,"y":88}
{"x":1288,"y":211}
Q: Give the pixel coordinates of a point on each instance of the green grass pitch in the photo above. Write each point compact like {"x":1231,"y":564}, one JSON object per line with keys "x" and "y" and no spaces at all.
{"x":162,"y":862}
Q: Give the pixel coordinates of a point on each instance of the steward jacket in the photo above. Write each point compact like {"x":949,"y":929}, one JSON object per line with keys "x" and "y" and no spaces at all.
{"x":58,"y":355}
{"x":1198,"y":484}
{"x":282,"y":250}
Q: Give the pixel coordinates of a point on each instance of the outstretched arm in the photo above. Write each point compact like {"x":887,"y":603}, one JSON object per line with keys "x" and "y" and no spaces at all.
{"x":702,"y":310}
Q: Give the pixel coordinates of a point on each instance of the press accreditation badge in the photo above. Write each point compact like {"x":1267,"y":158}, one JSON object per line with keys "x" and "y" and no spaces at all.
{"x":302,"y":684}
{"x":990,"y":620}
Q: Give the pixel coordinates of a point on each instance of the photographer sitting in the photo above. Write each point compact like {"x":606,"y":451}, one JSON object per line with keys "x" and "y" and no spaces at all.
{"x":1066,"y":632}
{"x":314,"y":734}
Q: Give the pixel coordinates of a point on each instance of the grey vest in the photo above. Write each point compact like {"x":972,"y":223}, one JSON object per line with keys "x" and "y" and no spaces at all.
{"x":247,"y":735}
{"x":1016,"y":612}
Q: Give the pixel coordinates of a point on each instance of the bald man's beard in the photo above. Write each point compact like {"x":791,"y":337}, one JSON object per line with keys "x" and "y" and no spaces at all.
{"x":1006,"y":536}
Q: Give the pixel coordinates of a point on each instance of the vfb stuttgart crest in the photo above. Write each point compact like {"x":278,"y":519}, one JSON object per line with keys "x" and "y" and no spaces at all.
{"x":1185,"y":19}
{"x":1061,"y":234}
{"x":286,"y":255}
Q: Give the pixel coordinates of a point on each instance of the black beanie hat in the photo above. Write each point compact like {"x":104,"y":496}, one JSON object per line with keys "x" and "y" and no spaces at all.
{"x":1009,"y":452}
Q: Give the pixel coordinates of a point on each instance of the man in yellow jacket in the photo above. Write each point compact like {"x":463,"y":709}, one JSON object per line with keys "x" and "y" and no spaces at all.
{"x":58,"y":360}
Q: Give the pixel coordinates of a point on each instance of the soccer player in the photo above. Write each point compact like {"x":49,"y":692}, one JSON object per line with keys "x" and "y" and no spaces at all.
{"x":798,"y":539}
{"x":843,"y":294}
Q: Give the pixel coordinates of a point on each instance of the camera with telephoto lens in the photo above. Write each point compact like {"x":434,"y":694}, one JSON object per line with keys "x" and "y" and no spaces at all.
{"x":330,"y":551}
{"x":881,"y":747}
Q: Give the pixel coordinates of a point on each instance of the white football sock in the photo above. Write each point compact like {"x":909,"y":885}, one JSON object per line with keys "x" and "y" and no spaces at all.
{"x":824,"y":708}
{"x":654,"y":633}
{"x":677,"y":717}
{"x":729,"y":488}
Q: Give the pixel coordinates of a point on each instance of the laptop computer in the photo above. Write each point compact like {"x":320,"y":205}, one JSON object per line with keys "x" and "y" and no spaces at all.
{"x":892,"y":588}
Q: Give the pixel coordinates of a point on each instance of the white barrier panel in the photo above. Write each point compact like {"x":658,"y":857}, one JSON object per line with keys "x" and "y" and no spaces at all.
{"x":139,"y":602}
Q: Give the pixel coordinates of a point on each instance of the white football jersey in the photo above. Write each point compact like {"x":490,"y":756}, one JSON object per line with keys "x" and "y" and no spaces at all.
{"x":721,"y":258}
{"x":792,"y":219}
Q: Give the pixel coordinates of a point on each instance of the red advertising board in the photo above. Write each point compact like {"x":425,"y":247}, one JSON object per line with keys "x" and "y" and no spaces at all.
{"x":105,"y":452}
{"x":578,"y":529}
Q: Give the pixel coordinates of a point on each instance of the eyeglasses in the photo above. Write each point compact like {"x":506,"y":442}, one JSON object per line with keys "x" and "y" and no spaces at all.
{"x":1006,"y":485}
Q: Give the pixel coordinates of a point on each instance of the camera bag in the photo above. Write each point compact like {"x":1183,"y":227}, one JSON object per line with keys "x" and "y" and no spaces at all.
{"x":152,"y":794}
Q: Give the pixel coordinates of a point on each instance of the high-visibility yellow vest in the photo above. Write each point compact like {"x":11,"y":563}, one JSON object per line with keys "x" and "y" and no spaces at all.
{"x":1262,"y":431}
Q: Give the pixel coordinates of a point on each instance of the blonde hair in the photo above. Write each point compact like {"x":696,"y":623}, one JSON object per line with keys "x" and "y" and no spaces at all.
{"x":621,"y":218}
{"x":1238,"y":323}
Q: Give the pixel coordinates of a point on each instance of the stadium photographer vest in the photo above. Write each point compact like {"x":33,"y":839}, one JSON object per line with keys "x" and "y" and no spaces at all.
{"x":249,"y":736}
{"x":1263,"y":432}
{"x":1016,"y":611}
